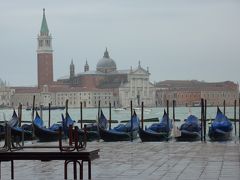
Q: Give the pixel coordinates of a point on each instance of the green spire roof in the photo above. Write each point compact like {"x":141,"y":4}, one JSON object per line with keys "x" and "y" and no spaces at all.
{"x":44,"y":27}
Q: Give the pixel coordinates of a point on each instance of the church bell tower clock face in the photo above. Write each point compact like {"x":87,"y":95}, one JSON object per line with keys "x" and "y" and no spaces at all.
{"x":44,"y":55}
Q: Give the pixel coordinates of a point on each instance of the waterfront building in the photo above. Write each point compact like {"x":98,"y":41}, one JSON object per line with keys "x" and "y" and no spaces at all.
{"x":126,"y":85}
{"x":106,"y":84}
{"x":57,"y":96}
{"x":189,"y":93}
{"x":5,"y":94}
{"x":138,"y":88}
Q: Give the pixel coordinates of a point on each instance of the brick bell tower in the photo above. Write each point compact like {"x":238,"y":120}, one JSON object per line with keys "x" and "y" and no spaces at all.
{"x":44,"y":55}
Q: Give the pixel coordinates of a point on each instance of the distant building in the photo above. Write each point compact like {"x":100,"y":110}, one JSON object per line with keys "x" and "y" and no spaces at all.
{"x":189,"y":93}
{"x":138,"y":88}
{"x":57,"y":96}
{"x":106,"y":83}
{"x":5,"y":94}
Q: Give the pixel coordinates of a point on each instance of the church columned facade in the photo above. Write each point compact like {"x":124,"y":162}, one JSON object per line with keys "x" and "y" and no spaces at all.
{"x":138,"y":89}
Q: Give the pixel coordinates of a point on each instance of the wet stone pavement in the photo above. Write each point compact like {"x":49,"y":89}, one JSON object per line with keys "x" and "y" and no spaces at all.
{"x":150,"y":161}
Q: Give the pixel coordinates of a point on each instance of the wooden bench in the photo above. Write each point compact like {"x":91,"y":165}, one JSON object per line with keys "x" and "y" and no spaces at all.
{"x":77,"y":158}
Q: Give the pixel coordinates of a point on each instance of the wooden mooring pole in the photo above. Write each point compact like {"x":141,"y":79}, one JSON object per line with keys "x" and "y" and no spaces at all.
{"x":110,"y":116}
{"x":131,"y":120}
{"x":202,"y":117}
{"x":33,"y":109}
{"x":167,"y":115}
{"x":205,"y":120}
{"x":99,"y":103}
{"x":224,"y":106}
{"x":174,"y":104}
{"x":235,"y":117}
{"x":66,"y":106}
{"x":49,"y":114}
{"x":81,"y":116}
{"x":20,"y":115}
{"x":239,"y":118}
{"x":142,"y":115}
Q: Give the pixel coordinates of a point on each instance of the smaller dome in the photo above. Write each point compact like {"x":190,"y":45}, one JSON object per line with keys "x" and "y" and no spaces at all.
{"x":106,"y":64}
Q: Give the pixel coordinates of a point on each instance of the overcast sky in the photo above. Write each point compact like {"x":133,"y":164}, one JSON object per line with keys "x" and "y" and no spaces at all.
{"x":177,"y":39}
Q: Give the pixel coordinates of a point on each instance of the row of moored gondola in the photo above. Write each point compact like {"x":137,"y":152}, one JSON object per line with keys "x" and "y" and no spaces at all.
{"x":190,"y":130}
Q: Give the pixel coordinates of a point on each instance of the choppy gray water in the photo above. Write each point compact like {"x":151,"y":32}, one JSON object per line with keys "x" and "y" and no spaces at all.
{"x":91,"y":113}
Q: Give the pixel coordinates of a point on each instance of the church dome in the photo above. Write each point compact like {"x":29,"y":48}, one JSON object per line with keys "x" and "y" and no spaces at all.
{"x":106,"y":64}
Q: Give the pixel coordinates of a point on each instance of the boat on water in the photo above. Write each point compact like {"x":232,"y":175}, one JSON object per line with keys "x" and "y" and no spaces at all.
{"x":119,"y":109}
{"x":190,"y":130}
{"x":122,"y":132}
{"x":221,"y":127}
{"x":157,"y":131}
{"x":17,"y":131}
{"x":139,"y":109}
{"x":46,"y":108}
{"x":2,"y":131}
{"x":13,"y":122}
{"x":66,"y":123}
{"x":92,"y":130}
{"x":45,"y":134}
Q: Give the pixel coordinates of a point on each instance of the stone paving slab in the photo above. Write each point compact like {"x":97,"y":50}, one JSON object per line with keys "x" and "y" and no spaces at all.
{"x":150,"y":161}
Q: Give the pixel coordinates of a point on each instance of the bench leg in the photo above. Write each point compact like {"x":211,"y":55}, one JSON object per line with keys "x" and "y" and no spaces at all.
{"x":81,"y":170}
{"x":89,"y":170}
{"x":65,"y":169}
{"x":12,"y":169}
{"x":74,"y":170}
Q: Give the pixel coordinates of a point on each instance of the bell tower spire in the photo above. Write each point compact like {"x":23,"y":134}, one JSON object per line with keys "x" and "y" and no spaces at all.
{"x":86,"y":67}
{"x":44,"y":54}
{"x":44,"y":28}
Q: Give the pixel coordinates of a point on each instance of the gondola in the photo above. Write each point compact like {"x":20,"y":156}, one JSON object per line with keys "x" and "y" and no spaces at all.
{"x":66,"y":123}
{"x":121,"y":132}
{"x":157,"y":131}
{"x":92,"y":131}
{"x":14,"y":120}
{"x":221,"y":128}
{"x":45,"y":134}
{"x":11,"y":123}
{"x":2,"y":131}
{"x":16,"y":131}
{"x":190,"y":130}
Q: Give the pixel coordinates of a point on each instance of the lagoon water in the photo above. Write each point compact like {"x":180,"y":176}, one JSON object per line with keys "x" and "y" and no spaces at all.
{"x":91,"y":113}
{"x":181,"y":113}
